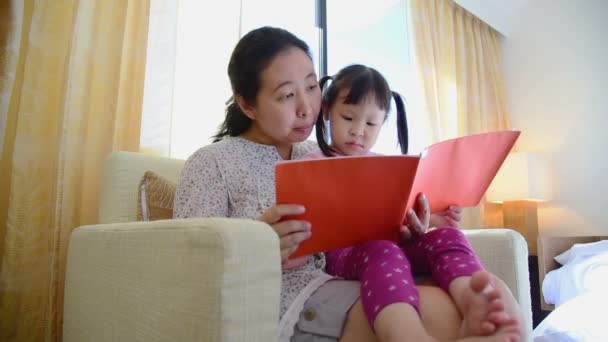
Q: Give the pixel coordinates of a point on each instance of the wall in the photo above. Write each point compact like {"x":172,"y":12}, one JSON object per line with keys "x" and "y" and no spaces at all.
{"x":499,"y":14}
{"x":556,"y":70}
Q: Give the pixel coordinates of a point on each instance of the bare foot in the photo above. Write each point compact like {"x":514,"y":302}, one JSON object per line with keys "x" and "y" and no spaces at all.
{"x":482,"y":307}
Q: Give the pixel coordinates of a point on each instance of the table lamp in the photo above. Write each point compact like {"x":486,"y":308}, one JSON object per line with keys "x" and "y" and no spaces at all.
{"x":520,"y":184}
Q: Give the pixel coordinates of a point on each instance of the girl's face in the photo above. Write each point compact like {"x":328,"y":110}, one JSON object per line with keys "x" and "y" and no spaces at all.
{"x":287,"y":103}
{"x":355,"y":127}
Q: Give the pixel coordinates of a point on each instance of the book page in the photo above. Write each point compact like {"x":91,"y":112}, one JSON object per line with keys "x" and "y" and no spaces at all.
{"x":459,"y":171}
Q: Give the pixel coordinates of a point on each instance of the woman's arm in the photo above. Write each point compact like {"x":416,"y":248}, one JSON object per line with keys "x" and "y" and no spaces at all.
{"x":202,"y":190}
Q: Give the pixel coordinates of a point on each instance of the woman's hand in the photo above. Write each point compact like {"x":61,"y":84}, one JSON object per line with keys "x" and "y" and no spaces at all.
{"x":417,"y":219}
{"x":448,"y":218}
{"x":291,"y":232}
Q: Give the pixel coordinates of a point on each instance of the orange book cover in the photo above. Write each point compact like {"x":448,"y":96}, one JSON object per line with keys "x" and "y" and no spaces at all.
{"x":350,"y":200}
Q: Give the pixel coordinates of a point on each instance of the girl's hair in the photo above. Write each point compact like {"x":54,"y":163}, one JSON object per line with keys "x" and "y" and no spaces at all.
{"x":252,"y":54}
{"x":361,"y":82}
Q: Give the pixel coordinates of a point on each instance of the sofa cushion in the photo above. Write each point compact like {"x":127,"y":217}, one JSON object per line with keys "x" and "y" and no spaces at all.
{"x":120,"y":183}
{"x":155,"y":197}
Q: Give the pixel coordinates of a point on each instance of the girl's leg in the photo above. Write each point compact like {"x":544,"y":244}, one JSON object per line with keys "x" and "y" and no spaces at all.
{"x":404,"y":324}
{"x":335,"y":262}
{"x":397,"y":322}
{"x":512,"y":307}
{"x":439,"y":314}
{"x":445,"y":253}
{"x":384,"y":273}
{"x":448,"y":256}
{"x":400,"y":320}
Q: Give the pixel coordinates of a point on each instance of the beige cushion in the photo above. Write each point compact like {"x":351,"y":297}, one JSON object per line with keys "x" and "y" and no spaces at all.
{"x":155,"y":197}
{"x":121,"y":178}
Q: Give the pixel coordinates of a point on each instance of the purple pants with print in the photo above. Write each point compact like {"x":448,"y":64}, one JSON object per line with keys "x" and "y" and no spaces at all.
{"x":386,"y":270}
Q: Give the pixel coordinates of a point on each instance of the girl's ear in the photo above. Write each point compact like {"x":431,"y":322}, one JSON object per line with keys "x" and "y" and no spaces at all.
{"x":246,"y":108}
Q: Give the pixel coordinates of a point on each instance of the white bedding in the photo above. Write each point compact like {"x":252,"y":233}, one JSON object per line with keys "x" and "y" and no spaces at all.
{"x":582,"y":318}
{"x":579,"y":290}
{"x":585,"y":268}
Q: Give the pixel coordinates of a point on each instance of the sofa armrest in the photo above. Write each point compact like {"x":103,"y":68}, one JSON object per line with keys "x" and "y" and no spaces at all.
{"x":175,"y":280}
{"x":504,"y":252}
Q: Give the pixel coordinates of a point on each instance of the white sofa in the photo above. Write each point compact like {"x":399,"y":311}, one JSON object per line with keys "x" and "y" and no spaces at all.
{"x":199,"y":279}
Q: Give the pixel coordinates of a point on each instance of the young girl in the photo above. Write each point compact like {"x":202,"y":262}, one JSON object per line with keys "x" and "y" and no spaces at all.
{"x":356,"y":104}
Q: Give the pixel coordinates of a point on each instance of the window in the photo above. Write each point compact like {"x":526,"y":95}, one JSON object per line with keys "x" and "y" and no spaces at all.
{"x":190,"y":43}
{"x":206,"y":35}
{"x":375,"y":33}
{"x":298,"y":18}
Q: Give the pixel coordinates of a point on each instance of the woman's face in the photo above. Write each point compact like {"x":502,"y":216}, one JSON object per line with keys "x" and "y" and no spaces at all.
{"x":288,"y":101}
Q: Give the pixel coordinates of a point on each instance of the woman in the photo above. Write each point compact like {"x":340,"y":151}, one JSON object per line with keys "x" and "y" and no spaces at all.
{"x":273,"y":110}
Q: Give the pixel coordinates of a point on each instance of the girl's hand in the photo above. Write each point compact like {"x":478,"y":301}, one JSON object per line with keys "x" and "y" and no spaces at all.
{"x":290,"y":232}
{"x":417,"y":219}
{"x":448,"y":218}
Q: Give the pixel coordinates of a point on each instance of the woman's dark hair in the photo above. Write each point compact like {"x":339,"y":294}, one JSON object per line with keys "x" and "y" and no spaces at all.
{"x":361,"y":82}
{"x":252,"y":54}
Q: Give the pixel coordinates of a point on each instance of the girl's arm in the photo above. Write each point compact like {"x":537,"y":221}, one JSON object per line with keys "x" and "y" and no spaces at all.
{"x":418,"y":219}
{"x":448,"y":218}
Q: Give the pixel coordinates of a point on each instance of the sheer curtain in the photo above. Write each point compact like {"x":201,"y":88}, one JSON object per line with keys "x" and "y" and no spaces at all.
{"x":159,"y":82}
{"x":459,"y":63}
{"x":186,"y":85}
{"x":71,"y":87}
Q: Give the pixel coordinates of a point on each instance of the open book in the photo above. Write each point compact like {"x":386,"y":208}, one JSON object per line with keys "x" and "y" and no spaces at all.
{"x":350,"y":200}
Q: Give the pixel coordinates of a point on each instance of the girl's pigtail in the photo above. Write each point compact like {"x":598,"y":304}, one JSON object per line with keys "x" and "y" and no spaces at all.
{"x":402,"y":135}
{"x":320,"y":127}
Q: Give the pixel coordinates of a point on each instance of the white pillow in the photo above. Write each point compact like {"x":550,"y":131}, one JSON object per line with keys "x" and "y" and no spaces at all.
{"x":582,"y":250}
{"x":581,"y":274}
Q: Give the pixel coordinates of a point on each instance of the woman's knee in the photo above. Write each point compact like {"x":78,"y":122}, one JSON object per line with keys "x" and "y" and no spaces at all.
{"x":356,"y":327}
{"x":439,"y":314}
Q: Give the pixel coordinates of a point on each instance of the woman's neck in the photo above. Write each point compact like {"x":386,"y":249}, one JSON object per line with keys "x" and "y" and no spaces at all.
{"x":255,"y":136}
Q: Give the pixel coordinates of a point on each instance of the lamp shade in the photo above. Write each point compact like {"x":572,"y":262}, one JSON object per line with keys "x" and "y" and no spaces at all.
{"x":523,"y":176}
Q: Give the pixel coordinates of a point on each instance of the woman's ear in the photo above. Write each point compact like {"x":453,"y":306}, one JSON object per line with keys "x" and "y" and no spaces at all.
{"x":246,"y":108}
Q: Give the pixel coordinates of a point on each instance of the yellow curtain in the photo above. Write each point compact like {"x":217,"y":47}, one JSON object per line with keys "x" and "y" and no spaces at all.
{"x":71,"y":83}
{"x":459,"y":63}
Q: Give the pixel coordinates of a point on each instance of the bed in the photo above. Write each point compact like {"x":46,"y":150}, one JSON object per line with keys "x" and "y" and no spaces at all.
{"x":575,"y":289}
